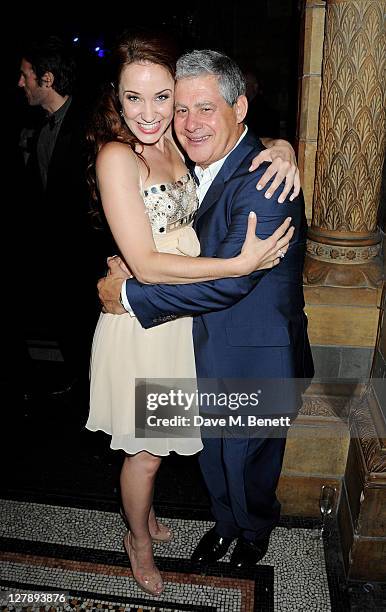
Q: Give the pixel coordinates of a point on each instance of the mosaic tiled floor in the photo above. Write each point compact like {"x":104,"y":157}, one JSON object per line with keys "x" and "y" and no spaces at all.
{"x":79,"y":551}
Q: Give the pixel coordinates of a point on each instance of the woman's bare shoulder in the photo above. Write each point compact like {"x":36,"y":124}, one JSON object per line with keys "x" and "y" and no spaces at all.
{"x":114,"y":156}
{"x":115,"y":150}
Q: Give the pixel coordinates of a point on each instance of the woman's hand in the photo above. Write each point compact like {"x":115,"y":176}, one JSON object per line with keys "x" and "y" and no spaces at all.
{"x":258,"y":254}
{"x":118,"y":260}
{"x":283,"y":163}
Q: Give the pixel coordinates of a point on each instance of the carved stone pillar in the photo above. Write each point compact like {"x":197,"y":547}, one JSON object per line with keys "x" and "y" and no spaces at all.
{"x":344,"y":242}
{"x":309,"y":85}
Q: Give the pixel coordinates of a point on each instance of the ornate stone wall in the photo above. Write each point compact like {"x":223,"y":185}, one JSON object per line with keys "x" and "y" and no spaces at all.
{"x":352,"y":123}
{"x":351,"y":145}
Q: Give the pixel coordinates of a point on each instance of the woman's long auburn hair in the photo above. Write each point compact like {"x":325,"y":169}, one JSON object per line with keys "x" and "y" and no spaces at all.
{"x":106,"y":124}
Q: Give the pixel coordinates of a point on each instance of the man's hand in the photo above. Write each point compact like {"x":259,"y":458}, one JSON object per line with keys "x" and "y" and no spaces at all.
{"x":109,"y":287}
{"x":283,"y":163}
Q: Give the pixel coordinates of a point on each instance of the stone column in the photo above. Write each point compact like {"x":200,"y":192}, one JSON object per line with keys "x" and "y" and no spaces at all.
{"x":310,"y":80}
{"x":344,"y":242}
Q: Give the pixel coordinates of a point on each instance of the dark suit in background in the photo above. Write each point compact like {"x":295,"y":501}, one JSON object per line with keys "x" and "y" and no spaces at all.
{"x":58,"y":231}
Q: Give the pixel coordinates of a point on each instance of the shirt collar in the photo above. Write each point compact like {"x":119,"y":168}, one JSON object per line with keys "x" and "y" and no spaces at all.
{"x":210,"y":173}
{"x":53,"y":118}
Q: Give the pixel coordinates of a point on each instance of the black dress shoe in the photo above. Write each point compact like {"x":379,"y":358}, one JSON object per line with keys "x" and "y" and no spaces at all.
{"x":211,"y":548}
{"x":246,"y":554}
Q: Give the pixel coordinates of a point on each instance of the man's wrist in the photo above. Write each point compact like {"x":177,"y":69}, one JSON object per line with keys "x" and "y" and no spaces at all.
{"x":124,"y":301}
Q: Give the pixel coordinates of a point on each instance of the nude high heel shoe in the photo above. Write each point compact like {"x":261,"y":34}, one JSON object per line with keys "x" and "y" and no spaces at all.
{"x":149,"y":581}
{"x":165,"y":534}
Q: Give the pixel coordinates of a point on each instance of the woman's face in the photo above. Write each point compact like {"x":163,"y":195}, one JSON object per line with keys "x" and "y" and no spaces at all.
{"x":146,"y":93}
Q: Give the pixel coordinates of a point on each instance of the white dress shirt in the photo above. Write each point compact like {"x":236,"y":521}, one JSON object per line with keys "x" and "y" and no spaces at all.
{"x":207,"y":175}
{"x":205,"y":178}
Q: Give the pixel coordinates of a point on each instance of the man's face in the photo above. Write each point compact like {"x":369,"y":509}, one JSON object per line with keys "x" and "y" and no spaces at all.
{"x":35,"y":94}
{"x":206,"y":126}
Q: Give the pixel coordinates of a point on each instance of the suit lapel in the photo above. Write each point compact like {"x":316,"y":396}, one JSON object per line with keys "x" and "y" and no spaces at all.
{"x":232,"y":163}
{"x":191,"y":167}
{"x":212,"y":195}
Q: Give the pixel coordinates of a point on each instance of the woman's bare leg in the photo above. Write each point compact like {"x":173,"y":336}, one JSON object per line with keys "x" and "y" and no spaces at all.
{"x":137,"y":485}
{"x":158,"y":531}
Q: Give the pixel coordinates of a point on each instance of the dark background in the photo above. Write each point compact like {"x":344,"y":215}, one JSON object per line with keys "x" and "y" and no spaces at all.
{"x":260,"y":33}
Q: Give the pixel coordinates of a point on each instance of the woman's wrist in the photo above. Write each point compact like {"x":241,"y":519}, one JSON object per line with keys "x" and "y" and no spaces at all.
{"x":240,"y":265}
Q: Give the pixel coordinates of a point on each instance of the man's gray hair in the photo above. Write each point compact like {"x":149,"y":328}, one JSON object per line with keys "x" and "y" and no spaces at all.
{"x":207,"y":62}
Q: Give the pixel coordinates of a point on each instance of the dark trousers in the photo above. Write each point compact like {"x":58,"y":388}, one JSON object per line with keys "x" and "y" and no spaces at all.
{"x":241,"y":475}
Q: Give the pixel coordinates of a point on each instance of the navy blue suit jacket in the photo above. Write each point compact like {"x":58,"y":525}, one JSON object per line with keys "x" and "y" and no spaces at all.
{"x":248,"y":327}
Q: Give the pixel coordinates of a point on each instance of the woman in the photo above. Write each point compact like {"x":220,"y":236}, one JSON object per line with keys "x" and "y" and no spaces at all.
{"x":149,"y":201}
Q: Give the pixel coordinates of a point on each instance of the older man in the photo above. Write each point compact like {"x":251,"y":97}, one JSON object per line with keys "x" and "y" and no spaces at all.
{"x":247,"y":328}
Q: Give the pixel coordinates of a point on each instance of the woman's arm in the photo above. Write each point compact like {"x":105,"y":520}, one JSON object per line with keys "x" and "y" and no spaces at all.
{"x":118,"y":180}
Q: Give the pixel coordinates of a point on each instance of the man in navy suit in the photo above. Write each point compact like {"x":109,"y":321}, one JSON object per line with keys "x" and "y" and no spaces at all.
{"x":248,"y":328}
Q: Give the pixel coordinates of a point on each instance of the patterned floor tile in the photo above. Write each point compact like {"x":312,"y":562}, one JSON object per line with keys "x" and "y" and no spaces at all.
{"x":79,"y":550}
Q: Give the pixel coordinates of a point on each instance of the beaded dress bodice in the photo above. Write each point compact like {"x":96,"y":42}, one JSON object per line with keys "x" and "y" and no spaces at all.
{"x":171,"y":205}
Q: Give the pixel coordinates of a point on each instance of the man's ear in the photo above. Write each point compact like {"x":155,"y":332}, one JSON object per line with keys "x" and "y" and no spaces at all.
{"x":48,"y":79}
{"x":241,"y":108}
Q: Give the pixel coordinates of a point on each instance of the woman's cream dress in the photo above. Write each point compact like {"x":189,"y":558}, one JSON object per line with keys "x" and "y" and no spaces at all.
{"x":123,"y":351}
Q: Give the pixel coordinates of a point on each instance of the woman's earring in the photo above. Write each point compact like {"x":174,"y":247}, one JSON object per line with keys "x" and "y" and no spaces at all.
{"x":121,"y":113}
